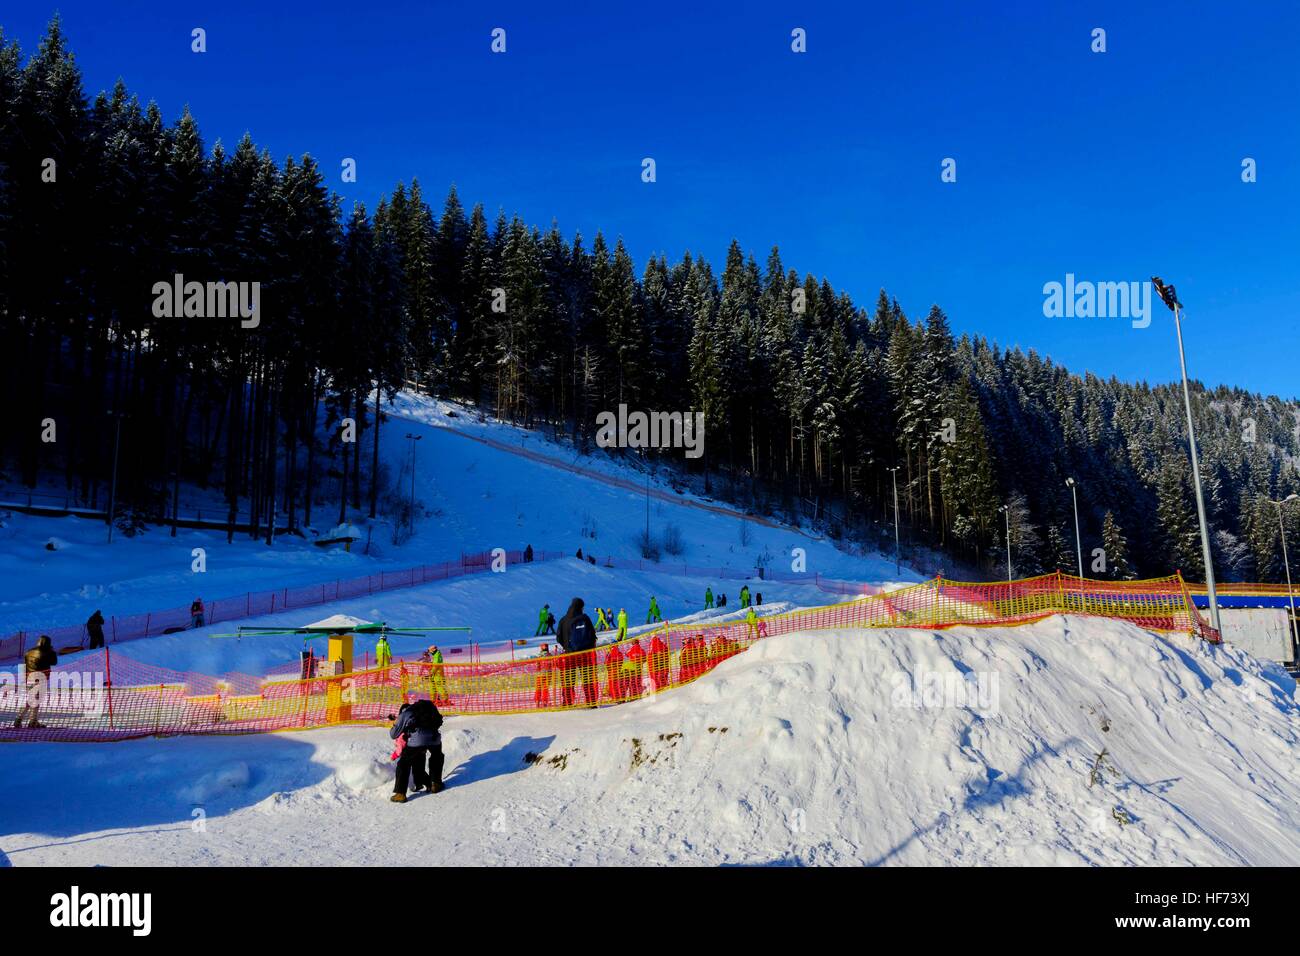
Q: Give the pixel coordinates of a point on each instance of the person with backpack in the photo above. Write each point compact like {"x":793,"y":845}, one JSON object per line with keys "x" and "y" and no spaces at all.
{"x":95,"y":629}
{"x":418,"y":724}
{"x":37,"y":663}
{"x":577,"y":635}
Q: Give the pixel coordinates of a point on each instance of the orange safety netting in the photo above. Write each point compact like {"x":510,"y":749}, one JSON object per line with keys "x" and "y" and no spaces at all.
{"x":105,"y":696}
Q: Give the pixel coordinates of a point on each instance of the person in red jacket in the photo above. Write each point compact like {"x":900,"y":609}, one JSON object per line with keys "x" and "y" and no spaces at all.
{"x":634,"y":671}
{"x":542,"y":682}
{"x":659,"y":662}
{"x":614,"y":672}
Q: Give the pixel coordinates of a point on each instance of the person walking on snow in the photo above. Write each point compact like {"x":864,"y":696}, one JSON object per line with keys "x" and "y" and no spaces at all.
{"x":37,"y":663}
{"x":95,"y":630}
{"x":577,"y":636}
{"x":622,"y":625}
{"x":653,"y":614}
{"x":196,"y":613}
{"x":751,"y":624}
{"x":602,"y":623}
{"x":545,"y":621}
{"x":708,"y":598}
{"x":744,"y":596}
{"x":418,"y":723}
{"x":383,"y":653}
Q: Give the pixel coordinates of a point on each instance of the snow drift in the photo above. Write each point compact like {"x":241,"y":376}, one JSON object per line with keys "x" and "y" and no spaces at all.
{"x":1072,"y":741}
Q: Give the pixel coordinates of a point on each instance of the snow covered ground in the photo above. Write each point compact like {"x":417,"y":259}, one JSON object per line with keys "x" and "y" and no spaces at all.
{"x":806,"y":749}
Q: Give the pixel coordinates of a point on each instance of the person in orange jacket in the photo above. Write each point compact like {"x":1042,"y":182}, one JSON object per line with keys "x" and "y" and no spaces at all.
{"x":659,"y":662}
{"x":614,"y":672}
{"x":634,"y":671}
{"x":542,"y":680}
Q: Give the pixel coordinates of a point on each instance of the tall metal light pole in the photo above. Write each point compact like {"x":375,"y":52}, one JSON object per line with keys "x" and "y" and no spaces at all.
{"x":1078,"y":541}
{"x":112,"y":495}
{"x":1007,"y":511}
{"x":1170,"y":297}
{"x":1281,"y":527}
{"x":898,"y":554}
{"x":411,"y":520}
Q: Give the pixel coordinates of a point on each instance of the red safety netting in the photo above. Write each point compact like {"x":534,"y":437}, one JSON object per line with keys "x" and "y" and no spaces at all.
{"x":107,"y":696}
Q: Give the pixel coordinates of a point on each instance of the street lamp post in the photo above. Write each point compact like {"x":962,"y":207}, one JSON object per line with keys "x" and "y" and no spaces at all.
{"x":1286,"y":562}
{"x":1007,"y":512}
{"x":1170,"y":297}
{"x":898,"y":554}
{"x":1078,"y":541}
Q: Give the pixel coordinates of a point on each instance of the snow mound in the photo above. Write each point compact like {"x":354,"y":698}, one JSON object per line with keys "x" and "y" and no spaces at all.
{"x":1069,"y":741}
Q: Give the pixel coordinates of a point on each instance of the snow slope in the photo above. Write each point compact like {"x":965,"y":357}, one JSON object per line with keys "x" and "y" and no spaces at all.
{"x":472,"y":497}
{"x":803,"y":750}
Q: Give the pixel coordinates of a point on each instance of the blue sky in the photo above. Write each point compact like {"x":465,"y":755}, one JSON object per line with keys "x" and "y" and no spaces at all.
{"x":1112,"y":166}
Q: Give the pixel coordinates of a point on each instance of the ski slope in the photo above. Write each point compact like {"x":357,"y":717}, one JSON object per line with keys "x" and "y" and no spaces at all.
{"x":803,"y":750}
{"x":472,"y":497}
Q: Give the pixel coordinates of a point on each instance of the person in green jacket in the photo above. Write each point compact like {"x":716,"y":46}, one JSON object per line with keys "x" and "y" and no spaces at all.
{"x":437,"y":684}
{"x":708,"y":598}
{"x":622,"y":624}
{"x":601,"y":623}
{"x":653,"y":614}
{"x":383,"y":653}
{"x":744,"y":596}
{"x":545,"y":621}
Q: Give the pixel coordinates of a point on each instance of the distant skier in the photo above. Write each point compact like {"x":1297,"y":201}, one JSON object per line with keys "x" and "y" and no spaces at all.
{"x":758,"y":599}
{"x":418,"y":722}
{"x":528,"y":553}
{"x":653,"y":614}
{"x":545,"y":621}
{"x":602,"y":622}
{"x":579,"y":555}
{"x":95,"y":629}
{"x":751,"y":624}
{"x":722,"y":600}
{"x":744,"y":596}
{"x":577,"y":635}
{"x":708,"y":598}
{"x":383,"y":653}
{"x":36,"y":663}
{"x":622,"y":625}
{"x":196,"y":613}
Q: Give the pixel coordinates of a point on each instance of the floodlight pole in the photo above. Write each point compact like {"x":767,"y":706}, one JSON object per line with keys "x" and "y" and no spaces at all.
{"x":1007,"y":512}
{"x":898,"y":554}
{"x":1078,"y":541}
{"x":1170,"y":298}
{"x":1286,"y":562}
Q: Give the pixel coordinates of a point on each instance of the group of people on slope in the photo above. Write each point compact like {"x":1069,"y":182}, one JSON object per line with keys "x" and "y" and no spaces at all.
{"x":722,"y":598}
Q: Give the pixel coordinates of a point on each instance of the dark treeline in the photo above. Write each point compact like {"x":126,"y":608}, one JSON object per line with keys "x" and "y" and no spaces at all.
{"x":809,"y":398}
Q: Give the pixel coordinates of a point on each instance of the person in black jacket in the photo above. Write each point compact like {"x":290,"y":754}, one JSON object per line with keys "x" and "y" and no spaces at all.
{"x":418,"y":722}
{"x":37,"y":663}
{"x":577,"y":635}
{"x":95,"y":628}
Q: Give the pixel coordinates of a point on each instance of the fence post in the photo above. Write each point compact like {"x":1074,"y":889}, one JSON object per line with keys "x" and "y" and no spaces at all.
{"x":147,"y":618}
{"x":108,"y":683}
